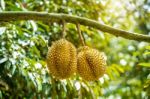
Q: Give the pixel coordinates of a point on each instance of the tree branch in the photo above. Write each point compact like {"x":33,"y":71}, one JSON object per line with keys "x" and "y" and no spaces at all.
{"x":53,"y":17}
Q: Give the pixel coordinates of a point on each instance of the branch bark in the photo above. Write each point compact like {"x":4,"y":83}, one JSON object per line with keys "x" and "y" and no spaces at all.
{"x":54,"y":17}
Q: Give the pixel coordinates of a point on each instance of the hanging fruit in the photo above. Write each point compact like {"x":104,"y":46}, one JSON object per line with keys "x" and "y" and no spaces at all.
{"x":91,"y":64}
{"x":62,"y":59}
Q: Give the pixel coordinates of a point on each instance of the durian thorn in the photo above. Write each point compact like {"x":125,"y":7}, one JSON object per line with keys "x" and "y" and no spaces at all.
{"x":80,"y":34}
{"x":64,"y":28}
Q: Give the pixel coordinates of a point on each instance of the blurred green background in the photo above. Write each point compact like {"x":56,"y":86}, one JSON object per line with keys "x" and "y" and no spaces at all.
{"x":24,"y":44}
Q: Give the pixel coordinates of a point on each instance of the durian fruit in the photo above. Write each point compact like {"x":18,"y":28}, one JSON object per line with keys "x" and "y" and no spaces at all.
{"x":84,"y":48}
{"x":91,"y":64}
{"x":62,"y":59}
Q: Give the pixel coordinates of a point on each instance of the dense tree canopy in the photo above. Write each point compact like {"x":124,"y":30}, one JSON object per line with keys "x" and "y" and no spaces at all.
{"x":24,"y":45}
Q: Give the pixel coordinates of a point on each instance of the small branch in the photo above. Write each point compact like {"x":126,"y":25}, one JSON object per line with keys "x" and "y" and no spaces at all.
{"x":64,"y":28}
{"x":53,"y":17}
{"x":80,"y":34}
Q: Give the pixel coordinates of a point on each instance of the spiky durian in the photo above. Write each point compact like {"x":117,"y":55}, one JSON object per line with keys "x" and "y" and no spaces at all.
{"x":91,"y":64}
{"x":83,"y":48}
{"x":62,"y":59}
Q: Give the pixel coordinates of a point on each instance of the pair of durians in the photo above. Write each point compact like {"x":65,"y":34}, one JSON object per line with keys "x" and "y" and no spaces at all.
{"x":63,"y":61}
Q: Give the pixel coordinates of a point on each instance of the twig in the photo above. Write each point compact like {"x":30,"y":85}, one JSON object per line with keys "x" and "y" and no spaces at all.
{"x":64,"y":28}
{"x":80,"y":34}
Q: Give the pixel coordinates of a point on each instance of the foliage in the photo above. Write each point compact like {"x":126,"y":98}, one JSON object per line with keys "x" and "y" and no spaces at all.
{"x":24,"y":44}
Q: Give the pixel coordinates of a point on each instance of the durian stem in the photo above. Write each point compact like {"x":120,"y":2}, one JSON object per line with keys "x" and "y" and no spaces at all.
{"x":57,"y":17}
{"x":80,"y":34}
{"x":64,"y":29}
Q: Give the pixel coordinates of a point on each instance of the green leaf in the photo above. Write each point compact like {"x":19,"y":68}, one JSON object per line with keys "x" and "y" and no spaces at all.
{"x":34,"y":26}
{"x":144,"y":64}
{"x":147,"y":53}
{"x":2,"y":4}
{"x":148,"y":47}
{"x":2,"y":30}
{"x":3,"y":60}
{"x":148,"y":77}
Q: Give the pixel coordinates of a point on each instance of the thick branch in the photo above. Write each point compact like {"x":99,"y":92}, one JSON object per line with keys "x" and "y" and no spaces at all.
{"x":53,"y":17}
